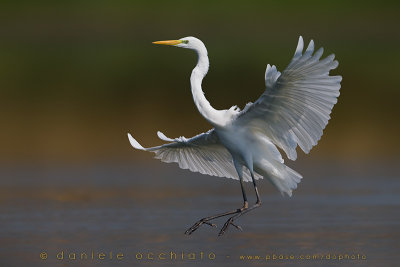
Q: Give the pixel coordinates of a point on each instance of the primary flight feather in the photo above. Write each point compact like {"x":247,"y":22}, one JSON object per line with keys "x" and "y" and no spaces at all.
{"x":293,"y":111}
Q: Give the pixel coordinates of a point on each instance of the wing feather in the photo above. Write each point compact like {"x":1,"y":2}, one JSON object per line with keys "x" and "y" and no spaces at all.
{"x":202,"y":153}
{"x":296,"y":105}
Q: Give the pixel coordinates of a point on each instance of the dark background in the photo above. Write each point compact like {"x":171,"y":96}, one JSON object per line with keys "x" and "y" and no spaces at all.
{"x":76,"y":76}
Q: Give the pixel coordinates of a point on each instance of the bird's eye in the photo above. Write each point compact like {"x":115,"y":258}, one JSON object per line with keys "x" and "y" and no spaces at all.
{"x":185,"y":41}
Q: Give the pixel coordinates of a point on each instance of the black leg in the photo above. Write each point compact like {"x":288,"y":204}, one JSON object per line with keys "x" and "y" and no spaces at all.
{"x":256,"y":190}
{"x":244,"y":211}
{"x":207,"y":219}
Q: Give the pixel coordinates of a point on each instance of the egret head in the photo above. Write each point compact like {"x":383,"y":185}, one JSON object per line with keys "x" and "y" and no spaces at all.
{"x":185,"y":42}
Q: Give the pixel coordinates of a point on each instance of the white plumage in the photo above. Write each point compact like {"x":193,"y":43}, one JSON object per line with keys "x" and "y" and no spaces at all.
{"x":293,"y":110}
{"x":202,"y":153}
{"x":295,"y":107}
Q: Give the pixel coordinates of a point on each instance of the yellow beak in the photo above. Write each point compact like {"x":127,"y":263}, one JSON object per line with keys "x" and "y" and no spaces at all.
{"x":169,"y":42}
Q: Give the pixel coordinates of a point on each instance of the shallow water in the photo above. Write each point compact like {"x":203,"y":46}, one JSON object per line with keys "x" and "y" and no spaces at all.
{"x":142,"y":212}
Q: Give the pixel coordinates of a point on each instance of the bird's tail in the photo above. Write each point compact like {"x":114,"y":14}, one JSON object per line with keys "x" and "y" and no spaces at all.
{"x":280,"y":175}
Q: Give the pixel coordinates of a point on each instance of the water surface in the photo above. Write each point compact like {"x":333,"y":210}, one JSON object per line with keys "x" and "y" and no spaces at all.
{"x":142,"y":212}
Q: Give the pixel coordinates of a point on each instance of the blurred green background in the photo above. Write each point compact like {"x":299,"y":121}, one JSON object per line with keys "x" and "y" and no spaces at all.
{"x":76,"y":76}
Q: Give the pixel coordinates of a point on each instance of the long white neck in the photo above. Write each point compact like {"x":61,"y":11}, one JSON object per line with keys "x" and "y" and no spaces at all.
{"x":212,"y":115}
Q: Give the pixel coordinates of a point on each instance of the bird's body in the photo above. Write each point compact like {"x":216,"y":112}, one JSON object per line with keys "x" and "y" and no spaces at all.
{"x":293,"y":110}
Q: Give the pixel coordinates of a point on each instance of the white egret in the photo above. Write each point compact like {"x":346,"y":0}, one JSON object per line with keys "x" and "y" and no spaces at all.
{"x":293,"y":111}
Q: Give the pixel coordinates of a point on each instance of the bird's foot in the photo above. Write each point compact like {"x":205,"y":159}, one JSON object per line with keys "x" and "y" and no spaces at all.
{"x":206,"y":220}
{"x":227,"y":224}
{"x":198,"y":224}
{"x":240,"y":212}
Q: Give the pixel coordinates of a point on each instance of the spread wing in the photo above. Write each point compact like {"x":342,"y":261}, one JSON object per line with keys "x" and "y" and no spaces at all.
{"x":296,"y":105}
{"x":202,"y":153}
